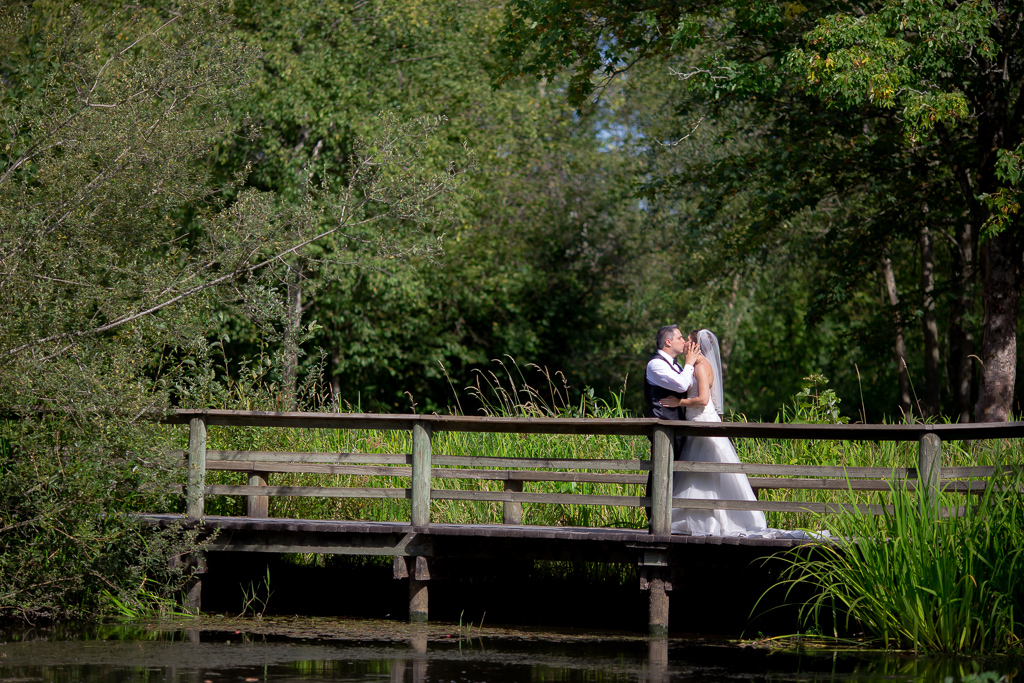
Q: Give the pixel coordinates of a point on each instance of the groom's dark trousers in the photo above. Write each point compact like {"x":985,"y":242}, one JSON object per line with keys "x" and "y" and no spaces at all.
{"x":653,"y":408}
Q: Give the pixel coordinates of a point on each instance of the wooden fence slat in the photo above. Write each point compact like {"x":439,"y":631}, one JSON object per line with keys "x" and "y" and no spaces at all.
{"x":859,"y":485}
{"x":569,"y":463}
{"x":328,"y":458}
{"x":556,"y":498}
{"x":312,"y":468}
{"x":435,"y":494}
{"x":578,"y":477}
{"x":976,"y":471}
{"x":543,"y":463}
{"x":213,"y":456}
{"x":786,"y":506}
{"x":435,"y":472}
{"x":792,"y":470}
{"x":406,"y":459}
{"x":306,"y":491}
{"x":777,"y":506}
{"x":527,"y":497}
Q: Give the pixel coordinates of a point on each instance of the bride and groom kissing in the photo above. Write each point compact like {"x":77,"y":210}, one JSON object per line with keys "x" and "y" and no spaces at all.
{"x":693,"y":391}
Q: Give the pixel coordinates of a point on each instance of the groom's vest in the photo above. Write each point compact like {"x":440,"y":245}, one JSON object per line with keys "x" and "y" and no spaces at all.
{"x":653,"y":394}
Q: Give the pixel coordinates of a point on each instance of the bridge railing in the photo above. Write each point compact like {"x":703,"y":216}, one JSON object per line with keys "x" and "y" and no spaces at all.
{"x":421,"y":466}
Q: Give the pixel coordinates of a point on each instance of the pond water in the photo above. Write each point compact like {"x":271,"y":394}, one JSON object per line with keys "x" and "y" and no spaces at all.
{"x":287,"y":650}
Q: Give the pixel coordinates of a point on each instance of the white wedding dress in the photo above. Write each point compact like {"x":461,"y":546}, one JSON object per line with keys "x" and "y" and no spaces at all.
{"x":713,"y":486}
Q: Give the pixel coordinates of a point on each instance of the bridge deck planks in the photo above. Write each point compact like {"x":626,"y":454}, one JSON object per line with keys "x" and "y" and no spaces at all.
{"x":341,"y":528}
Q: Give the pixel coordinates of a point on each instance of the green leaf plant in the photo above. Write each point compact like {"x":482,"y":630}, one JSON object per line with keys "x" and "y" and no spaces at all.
{"x":912,"y":579}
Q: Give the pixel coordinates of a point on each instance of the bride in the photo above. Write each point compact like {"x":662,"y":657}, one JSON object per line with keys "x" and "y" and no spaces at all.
{"x":703,"y":403}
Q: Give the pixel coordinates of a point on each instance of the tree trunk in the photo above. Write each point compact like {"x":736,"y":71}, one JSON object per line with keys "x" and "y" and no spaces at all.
{"x":733,"y":317}
{"x":932,"y":373}
{"x":1001,"y":261}
{"x":961,"y":339}
{"x":293,"y":325}
{"x":335,"y":381}
{"x":901,"y":347}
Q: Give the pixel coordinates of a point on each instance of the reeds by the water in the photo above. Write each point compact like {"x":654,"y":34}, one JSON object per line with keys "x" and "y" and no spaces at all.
{"x":913,"y":579}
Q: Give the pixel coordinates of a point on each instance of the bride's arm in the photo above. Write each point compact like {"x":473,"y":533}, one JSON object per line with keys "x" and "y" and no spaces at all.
{"x":704,"y":377}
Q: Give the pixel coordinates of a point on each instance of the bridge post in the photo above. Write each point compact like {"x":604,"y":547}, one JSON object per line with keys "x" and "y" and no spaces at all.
{"x":195,"y":490}
{"x":929,"y":471}
{"x":661,"y":484}
{"x":257,"y":506}
{"x":421,"y":474}
{"x":195,"y":487}
{"x":512,"y":511}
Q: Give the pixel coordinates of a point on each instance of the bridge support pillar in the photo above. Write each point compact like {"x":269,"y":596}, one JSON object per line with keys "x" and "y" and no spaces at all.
{"x":419,"y":601}
{"x":194,"y":567}
{"x":656,"y":579}
{"x":417,"y":570}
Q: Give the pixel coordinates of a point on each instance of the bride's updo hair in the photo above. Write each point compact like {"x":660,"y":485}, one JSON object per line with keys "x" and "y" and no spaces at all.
{"x":694,"y":335}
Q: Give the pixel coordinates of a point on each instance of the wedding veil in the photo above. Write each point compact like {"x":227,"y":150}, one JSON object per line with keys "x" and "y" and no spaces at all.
{"x":709,"y":348}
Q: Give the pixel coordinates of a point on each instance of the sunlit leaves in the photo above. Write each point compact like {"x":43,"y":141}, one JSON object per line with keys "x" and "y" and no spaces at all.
{"x":1005,"y":203}
{"x":905,"y":54}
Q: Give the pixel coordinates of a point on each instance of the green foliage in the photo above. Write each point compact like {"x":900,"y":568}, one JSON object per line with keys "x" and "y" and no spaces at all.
{"x":909,"y":579}
{"x":121,"y":249}
{"x":69,"y":549}
{"x":256,"y":597}
{"x":1004,"y":203}
{"x":811,"y":143}
{"x":817,"y":405}
{"x":546,"y":243}
{"x":873,"y":59}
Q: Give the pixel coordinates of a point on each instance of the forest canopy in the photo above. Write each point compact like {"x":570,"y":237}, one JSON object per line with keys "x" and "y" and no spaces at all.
{"x":390,"y":196}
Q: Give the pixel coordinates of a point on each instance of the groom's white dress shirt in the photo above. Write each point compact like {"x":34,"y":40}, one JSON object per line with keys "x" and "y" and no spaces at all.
{"x":669,"y":375}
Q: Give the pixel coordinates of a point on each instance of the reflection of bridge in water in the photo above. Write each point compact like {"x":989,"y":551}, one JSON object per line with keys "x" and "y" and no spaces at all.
{"x":414,"y":668}
{"x":424,"y":551}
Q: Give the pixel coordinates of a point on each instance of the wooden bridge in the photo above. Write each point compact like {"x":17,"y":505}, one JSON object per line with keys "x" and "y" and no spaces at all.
{"x":423,"y":549}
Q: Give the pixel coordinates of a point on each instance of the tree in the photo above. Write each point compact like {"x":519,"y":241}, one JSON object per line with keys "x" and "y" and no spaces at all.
{"x":116,"y":246}
{"x":545,"y":243}
{"x":882,"y":93}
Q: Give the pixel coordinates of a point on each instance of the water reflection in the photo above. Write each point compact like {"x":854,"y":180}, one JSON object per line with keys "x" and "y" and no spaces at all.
{"x":416,"y":659}
{"x":375,"y":651}
{"x":657,"y":661}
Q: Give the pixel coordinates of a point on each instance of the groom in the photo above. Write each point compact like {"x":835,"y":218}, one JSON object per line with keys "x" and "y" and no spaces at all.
{"x":665,"y":377}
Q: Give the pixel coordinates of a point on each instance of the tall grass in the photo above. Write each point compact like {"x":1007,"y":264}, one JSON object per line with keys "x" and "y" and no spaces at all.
{"x":912,"y":579}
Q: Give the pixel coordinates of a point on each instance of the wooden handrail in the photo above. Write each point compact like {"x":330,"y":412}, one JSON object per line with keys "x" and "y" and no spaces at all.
{"x":600,"y":426}
{"x":421,"y":466}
